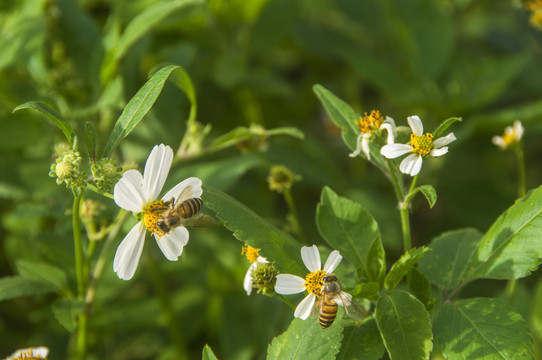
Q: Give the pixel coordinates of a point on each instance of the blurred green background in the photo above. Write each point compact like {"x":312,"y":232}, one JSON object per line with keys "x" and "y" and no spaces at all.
{"x":254,"y":63}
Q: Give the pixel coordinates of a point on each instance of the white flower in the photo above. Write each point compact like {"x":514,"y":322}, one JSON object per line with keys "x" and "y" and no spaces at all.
{"x":370,"y":124}
{"x":138,"y":193}
{"x":512,"y":135}
{"x":421,"y":145}
{"x":288,"y":284}
{"x":247,"y":282}
{"x":38,"y":353}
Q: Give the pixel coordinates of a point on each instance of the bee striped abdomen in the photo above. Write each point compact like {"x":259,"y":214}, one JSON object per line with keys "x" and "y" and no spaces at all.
{"x":328,"y":313}
{"x":190,"y":207}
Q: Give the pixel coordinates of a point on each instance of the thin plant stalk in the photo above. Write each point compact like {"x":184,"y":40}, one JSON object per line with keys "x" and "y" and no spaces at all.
{"x":80,"y":274}
{"x":293,"y":214}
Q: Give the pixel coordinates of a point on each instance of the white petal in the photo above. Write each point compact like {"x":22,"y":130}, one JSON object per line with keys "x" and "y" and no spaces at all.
{"x":358,"y":146}
{"x":518,"y":129}
{"x":262,"y":260}
{"x":445,"y":140}
{"x":156,"y":171}
{"x":411,"y":165}
{"x":303,"y":310}
{"x":416,"y":125}
{"x":498,"y":141}
{"x":392,"y":133}
{"x":439,"y":152}
{"x":247,"y":282}
{"x":128,"y":193}
{"x":332,"y":261}
{"x":311,"y":258}
{"x":172,"y":244}
{"x":365,"y":145}
{"x":288,"y":284}
{"x":195,"y":190}
{"x":129,"y":252}
{"x":392,"y":151}
{"x":29,"y":353}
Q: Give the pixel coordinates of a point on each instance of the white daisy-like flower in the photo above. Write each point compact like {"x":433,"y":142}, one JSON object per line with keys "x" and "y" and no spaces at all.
{"x":37,"y":353}
{"x":255,"y":259}
{"x":512,"y":136}
{"x":421,"y":145}
{"x":288,"y":284}
{"x":139,"y":194}
{"x":368,"y":126}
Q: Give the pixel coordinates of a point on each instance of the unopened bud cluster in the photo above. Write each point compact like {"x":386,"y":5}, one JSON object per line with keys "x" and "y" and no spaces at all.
{"x":106,"y":173}
{"x":281,"y":179}
{"x":264,"y":278}
{"x":67,"y":169}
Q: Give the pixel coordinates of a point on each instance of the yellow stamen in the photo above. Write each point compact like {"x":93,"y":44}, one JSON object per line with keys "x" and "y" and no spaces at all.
{"x":152,"y":214}
{"x":422,"y":145}
{"x":370,"y":123}
{"x":251,"y":253}
{"x":314,"y":281}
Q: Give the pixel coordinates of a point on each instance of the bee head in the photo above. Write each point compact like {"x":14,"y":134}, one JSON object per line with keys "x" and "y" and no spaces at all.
{"x":330,"y":278}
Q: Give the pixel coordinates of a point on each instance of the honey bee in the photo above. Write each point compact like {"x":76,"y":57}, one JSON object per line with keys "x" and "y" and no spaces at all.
{"x":178,"y":211}
{"x":330,"y":298}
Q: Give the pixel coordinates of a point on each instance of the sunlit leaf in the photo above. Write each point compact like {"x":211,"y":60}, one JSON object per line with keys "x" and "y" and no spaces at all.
{"x":482,"y":329}
{"x":208,"y":353}
{"x":277,"y":246}
{"x":305,"y":339}
{"x":445,"y":125}
{"x":52,"y":115}
{"x":405,"y":326}
{"x":349,"y":228}
{"x":403,"y":266}
{"x":429,"y":192}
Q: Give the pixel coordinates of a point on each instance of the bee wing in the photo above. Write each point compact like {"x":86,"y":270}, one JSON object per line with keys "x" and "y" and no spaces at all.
{"x":186,"y":194}
{"x":201,"y":220}
{"x":345,"y":299}
{"x":316,"y":307}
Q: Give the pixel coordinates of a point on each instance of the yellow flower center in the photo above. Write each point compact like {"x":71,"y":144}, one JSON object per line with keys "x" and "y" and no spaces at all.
{"x":422,"y":145}
{"x":370,"y":123}
{"x":152,"y":214}
{"x":251,"y":253}
{"x":314,"y":281}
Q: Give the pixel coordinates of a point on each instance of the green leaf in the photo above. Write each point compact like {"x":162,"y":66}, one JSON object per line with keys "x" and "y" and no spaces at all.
{"x":305,"y":339}
{"x":182,"y":80}
{"x":447,"y":264}
{"x":208,"y":354}
{"x":277,"y":246}
{"x":67,"y":310}
{"x":52,"y":115}
{"x":419,"y":286}
{"x":137,"y":107}
{"x":341,"y":113}
{"x":405,"y":326}
{"x":370,"y":290}
{"x":511,"y":248}
{"x":90,"y":135}
{"x":362,"y":342}
{"x":139,"y":26}
{"x":16,"y":286}
{"x":43,"y":272}
{"x":482,"y":329}
{"x":349,"y":228}
{"x":242,"y":133}
{"x":403,"y":266}
{"x":445,"y":125}
{"x":429,"y":192}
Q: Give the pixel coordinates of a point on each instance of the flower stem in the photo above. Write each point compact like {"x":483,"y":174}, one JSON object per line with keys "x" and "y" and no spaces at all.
{"x":293,"y":214}
{"x":80,"y":274}
{"x":175,"y":332}
{"x":286,"y":301}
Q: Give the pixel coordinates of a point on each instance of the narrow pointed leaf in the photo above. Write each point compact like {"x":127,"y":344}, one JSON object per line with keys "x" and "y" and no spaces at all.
{"x":208,"y":353}
{"x":445,"y":125}
{"x":90,"y":136}
{"x":137,"y":107}
{"x":403,"y":266}
{"x":345,"y":225}
{"x":405,"y":326}
{"x":448,"y":263}
{"x":16,"y":286}
{"x":511,"y":248}
{"x":305,"y":339}
{"x":430,"y":194}
{"x":43,"y":272}
{"x":482,"y":329}
{"x":53,"y":116}
{"x":277,"y":246}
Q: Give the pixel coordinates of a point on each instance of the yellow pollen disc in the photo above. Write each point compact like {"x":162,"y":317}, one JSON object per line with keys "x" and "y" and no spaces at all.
{"x":509,"y":137}
{"x":370,"y":123}
{"x":152,"y":214}
{"x":314,"y":281}
{"x":422,"y":145}
{"x":251,"y":253}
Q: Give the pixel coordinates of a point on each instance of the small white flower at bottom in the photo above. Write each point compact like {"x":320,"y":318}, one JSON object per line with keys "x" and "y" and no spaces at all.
{"x":139,"y":194}
{"x":37,"y":353}
{"x":288,"y":284}
{"x":421,"y":145}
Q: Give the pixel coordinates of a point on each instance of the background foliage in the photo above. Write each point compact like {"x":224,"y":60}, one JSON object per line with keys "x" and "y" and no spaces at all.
{"x":253,"y":65}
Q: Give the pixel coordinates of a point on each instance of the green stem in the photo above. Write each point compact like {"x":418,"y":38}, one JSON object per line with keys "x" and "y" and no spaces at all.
{"x":293,"y":214}
{"x":80,"y":274}
{"x":286,"y":301}
{"x":405,"y":227}
{"x":99,"y":191}
{"x":175,"y":332}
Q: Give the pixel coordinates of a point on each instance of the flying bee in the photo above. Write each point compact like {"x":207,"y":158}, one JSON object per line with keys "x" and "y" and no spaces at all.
{"x":178,"y":210}
{"x":330,"y":298}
